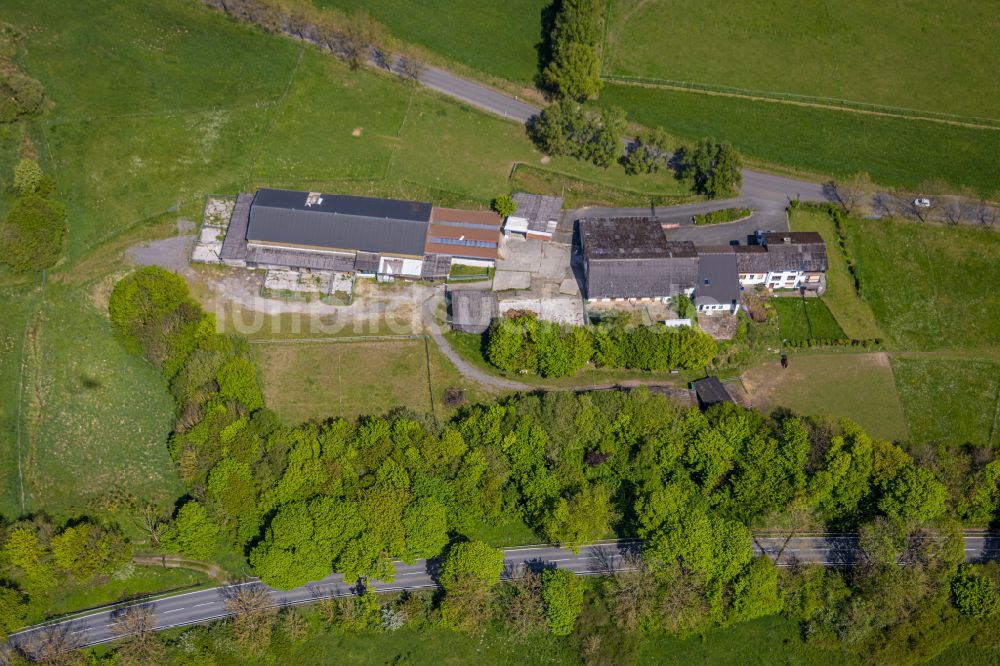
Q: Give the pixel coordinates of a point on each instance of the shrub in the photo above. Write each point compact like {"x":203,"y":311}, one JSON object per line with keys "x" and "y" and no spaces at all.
{"x":975,"y":596}
{"x":27,"y":176}
{"x":238,"y":381}
{"x":31,"y":237}
{"x":504,"y":205}
{"x":152,"y":314}
{"x":20,"y":96}
{"x":563,"y":596}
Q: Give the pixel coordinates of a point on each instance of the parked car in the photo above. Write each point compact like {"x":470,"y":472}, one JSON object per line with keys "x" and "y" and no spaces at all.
{"x":922,"y":203}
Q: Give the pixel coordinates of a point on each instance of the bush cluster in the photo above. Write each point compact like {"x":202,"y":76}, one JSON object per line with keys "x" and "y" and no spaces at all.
{"x":31,"y":235}
{"x":524,"y":344}
{"x":722,"y":216}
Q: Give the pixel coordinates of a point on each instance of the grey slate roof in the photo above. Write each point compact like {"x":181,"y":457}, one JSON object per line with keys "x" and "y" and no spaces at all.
{"x":472,"y":310}
{"x":718,"y":280}
{"x":711,"y":391}
{"x":631,"y":258}
{"x":540,"y":210}
{"x":752,"y":259}
{"x":337,"y":221}
{"x":796,"y":251}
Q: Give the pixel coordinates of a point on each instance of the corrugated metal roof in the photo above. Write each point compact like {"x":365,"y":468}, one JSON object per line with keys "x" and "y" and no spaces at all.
{"x":339,"y":222}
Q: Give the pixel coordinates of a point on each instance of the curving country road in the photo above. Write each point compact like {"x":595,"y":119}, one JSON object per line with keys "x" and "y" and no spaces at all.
{"x":766,"y":193}
{"x":602,"y":558}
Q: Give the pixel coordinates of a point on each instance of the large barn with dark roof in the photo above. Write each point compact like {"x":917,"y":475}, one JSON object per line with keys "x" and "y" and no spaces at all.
{"x":370,"y":236}
{"x":631,"y":259}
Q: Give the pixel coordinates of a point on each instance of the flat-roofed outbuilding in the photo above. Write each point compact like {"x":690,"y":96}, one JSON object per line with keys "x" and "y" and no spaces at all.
{"x":472,"y":310}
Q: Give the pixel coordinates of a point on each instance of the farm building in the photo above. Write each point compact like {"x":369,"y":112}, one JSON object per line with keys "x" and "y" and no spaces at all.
{"x":472,"y":310}
{"x":711,"y":391}
{"x":784,"y":260}
{"x":536,"y":216}
{"x":369,"y":236}
{"x":470,"y":237}
{"x":630,"y":259}
{"x":718,"y":288}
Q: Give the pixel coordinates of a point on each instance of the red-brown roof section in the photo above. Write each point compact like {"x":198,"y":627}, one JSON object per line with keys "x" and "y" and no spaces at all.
{"x":474,"y":234}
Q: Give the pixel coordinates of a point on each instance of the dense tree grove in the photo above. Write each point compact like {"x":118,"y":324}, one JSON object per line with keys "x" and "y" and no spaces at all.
{"x":301,"y":501}
{"x":715,"y":169}
{"x":649,"y":153}
{"x":574,"y":67}
{"x":566,"y":128}
{"x":524,"y":344}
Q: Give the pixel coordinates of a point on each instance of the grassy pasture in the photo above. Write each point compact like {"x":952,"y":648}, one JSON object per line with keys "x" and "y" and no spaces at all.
{"x":930,"y":287}
{"x":804,"y":318}
{"x":893,"y":151}
{"x":18,"y":308}
{"x":95,"y":417}
{"x":920,"y":54}
{"x":497,"y":38}
{"x":317,"y":380}
{"x":853,"y":314}
{"x":949,"y":400}
{"x":836,"y":386}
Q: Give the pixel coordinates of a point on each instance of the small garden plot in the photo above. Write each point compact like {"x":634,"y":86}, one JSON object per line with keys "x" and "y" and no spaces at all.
{"x":806,"y":319}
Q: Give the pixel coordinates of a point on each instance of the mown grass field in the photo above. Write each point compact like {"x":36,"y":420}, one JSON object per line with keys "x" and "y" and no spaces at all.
{"x":950,"y":400}
{"x":316,"y":380}
{"x":833,"y":386}
{"x":805,"y":318}
{"x":930,"y":287}
{"x":497,"y":38}
{"x":921,"y":54}
{"x":893,"y":151}
{"x":853,"y":314}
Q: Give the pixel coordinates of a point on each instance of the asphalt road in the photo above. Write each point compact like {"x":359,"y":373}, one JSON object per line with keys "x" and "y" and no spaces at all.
{"x":594,"y":559}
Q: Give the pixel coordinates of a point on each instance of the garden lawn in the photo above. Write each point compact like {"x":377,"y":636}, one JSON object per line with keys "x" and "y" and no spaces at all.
{"x":832,"y":386}
{"x":496,"y":38}
{"x":938,"y":55}
{"x":930,"y":287}
{"x":894,"y":151}
{"x":805,"y":318}
{"x":96,"y":418}
{"x":853,"y":314}
{"x":949,"y":400}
